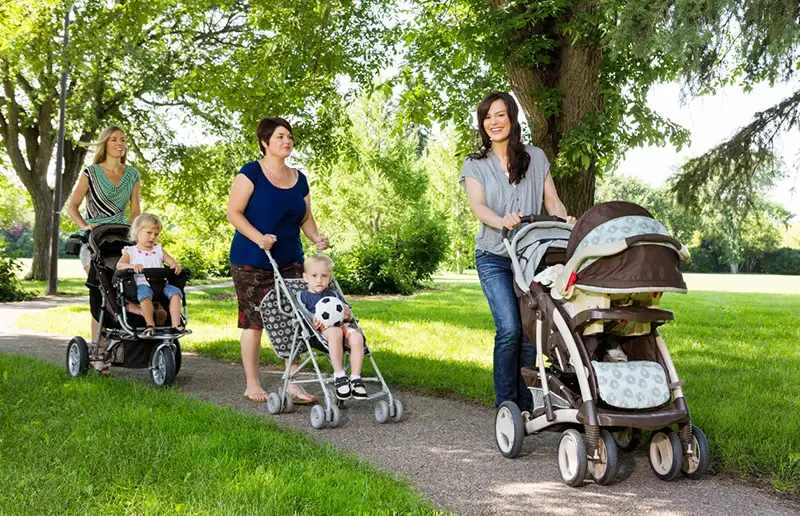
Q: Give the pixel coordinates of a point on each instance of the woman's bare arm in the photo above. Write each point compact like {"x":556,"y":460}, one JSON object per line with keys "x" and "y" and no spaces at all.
{"x":241,"y":191}
{"x":309,"y":227}
{"x":136,"y":201}
{"x":477,"y":201}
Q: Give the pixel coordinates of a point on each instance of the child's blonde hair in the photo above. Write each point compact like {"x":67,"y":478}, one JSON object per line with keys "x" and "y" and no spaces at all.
{"x":318,"y":259}
{"x":144,"y":220}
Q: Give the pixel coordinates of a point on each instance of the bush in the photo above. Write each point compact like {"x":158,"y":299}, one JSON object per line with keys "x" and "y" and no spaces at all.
{"x":10,"y":289}
{"x":393,"y":265}
{"x":204,"y":260}
{"x":784,"y":260}
{"x":702,"y":260}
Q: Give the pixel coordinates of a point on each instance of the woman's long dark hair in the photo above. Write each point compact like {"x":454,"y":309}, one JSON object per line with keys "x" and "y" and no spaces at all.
{"x":518,"y":158}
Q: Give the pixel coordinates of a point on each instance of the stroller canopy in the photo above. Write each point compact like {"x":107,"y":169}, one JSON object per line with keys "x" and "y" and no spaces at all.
{"x":649,"y":264}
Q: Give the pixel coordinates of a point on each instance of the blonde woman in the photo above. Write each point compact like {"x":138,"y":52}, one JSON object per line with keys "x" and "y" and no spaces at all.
{"x":108,"y":185}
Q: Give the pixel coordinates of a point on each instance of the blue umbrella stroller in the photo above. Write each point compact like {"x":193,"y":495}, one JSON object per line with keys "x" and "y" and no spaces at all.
{"x":293,"y":335}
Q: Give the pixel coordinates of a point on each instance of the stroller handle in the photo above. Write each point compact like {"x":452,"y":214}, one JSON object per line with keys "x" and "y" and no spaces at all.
{"x":530,"y":219}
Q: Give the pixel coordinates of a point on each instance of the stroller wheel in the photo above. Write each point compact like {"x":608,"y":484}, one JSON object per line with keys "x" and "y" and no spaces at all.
{"x":288,"y":404}
{"x":508,"y":429}
{"x":178,"y":356}
{"x":572,"y":459}
{"x":317,"y":417}
{"x":695,"y":466}
{"x":628,"y":439}
{"x":381,"y":412}
{"x":604,"y":471}
{"x":162,"y":366}
{"x":666,"y":454}
{"x":77,"y":357}
{"x":398,"y":411}
{"x":334,"y":417}
{"x":274,"y":403}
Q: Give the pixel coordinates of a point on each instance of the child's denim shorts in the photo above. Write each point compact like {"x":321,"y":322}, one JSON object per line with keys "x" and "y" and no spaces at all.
{"x":145,"y":292}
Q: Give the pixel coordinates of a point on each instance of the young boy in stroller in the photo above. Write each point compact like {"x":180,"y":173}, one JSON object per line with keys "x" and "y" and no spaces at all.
{"x":318,"y":272}
{"x":122,"y":338}
{"x":294,"y":334}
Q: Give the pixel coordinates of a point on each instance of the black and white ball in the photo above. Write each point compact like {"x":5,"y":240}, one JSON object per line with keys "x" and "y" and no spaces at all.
{"x":329,"y":310}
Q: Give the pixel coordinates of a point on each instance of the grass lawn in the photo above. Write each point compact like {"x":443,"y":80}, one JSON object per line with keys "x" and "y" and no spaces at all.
{"x":738,"y":354}
{"x":106,"y":445}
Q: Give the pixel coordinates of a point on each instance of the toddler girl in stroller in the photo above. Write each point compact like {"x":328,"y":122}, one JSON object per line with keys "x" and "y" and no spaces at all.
{"x":148,"y":253}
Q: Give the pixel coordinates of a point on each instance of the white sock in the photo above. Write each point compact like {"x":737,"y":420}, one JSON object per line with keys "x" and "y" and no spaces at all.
{"x":338,"y":374}
{"x":354,"y":377}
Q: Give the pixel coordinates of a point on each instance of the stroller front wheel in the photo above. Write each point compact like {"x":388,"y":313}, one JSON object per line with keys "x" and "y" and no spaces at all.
{"x":604,"y":470}
{"x":509,"y":429}
{"x":162,"y":366}
{"x":572,"y":458}
{"x":695,"y":465}
{"x":317,"y":417}
{"x":77,"y":357}
{"x":666,"y":454}
{"x":627,"y":439}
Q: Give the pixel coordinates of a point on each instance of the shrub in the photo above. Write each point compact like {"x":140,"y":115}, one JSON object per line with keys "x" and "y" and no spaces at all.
{"x":392,"y":265}
{"x":784,"y":260}
{"x":702,"y":260}
{"x":203,"y":260}
{"x":10,"y":289}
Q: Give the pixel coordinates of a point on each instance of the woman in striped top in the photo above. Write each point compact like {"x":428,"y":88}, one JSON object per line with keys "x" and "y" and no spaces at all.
{"x":108,"y":185}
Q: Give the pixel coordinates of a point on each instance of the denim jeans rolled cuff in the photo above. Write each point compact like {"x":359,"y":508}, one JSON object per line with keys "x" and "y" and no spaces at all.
{"x":146,"y":292}
{"x":511,"y":351}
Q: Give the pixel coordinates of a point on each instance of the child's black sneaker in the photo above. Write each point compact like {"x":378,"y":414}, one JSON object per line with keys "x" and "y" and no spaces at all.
{"x":342,"y":387}
{"x":359,"y":390}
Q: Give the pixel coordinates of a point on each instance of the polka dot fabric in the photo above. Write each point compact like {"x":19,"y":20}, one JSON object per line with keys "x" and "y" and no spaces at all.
{"x":632,"y":385}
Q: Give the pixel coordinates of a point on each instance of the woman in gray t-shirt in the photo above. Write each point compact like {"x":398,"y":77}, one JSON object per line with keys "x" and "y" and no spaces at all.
{"x":505,"y":180}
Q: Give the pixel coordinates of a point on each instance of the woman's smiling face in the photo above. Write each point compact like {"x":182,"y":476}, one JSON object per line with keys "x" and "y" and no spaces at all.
{"x":281,"y":142}
{"x":116,"y":145}
{"x":497,"y":124}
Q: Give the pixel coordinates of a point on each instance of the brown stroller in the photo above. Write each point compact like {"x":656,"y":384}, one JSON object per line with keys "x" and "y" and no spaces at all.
{"x":619,"y":261}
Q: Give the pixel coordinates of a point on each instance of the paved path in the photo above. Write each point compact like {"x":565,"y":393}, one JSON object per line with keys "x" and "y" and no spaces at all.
{"x":446,"y":449}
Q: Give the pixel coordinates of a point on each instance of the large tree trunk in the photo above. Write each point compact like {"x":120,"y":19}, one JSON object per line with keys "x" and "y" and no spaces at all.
{"x":574,"y":70}
{"x":42,"y":237}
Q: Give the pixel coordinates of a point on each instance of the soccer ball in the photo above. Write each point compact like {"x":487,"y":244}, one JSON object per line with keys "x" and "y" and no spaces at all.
{"x":329,"y":310}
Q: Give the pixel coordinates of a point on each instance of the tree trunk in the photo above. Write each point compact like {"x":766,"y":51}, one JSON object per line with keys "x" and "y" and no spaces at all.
{"x":42,"y":237}
{"x":573,"y":70}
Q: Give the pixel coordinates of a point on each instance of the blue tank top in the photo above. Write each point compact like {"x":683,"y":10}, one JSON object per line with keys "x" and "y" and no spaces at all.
{"x":271,"y":210}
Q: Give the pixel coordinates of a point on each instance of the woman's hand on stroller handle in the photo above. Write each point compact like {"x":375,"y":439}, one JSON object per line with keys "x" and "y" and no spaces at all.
{"x":529,"y":219}
{"x":266,"y":241}
{"x":322,"y":243}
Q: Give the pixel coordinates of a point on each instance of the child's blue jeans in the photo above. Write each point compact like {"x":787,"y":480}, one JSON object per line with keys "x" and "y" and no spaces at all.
{"x":145,"y":292}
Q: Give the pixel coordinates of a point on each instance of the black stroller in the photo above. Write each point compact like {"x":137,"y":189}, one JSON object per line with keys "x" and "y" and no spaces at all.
{"x":109,"y":290}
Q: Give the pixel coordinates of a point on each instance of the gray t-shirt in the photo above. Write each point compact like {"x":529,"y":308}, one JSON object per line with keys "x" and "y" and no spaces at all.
{"x":503,"y":198}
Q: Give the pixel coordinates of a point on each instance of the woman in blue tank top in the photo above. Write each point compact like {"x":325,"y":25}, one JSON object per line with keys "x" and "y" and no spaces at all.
{"x":269,"y":205}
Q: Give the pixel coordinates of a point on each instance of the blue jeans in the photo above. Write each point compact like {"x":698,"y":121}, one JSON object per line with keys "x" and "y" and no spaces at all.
{"x":511,"y":349}
{"x":146,"y":292}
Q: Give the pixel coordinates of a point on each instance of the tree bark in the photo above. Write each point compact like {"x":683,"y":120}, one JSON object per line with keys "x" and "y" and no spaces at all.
{"x":574,"y":70}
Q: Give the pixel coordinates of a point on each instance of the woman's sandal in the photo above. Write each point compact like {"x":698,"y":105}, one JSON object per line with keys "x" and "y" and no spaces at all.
{"x":300,"y":396}
{"x":256,"y":398}
{"x":148,"y":331}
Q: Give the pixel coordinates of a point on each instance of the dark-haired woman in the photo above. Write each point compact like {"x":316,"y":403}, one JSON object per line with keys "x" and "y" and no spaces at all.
{"x":269,"y":205}
{"x":505,"y":180}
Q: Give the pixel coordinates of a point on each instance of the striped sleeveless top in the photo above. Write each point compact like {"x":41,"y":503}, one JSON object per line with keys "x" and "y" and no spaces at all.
{"x":105,"y":202}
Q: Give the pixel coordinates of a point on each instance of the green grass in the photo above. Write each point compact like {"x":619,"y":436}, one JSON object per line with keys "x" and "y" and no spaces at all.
{"x":105,"y":446}
{"x":738,"y":354}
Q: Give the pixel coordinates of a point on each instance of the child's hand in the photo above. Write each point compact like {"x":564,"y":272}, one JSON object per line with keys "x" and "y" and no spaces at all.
{"x":177,"y":268}
{"x":348,"y":314}
{"x":137,"y":267}
{"x":317,"y":323}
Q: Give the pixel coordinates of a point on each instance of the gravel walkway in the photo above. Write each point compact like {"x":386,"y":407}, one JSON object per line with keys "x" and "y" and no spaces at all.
{"x":446,"y":448}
